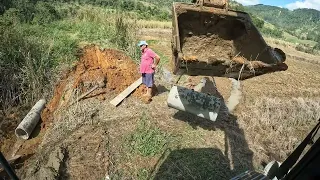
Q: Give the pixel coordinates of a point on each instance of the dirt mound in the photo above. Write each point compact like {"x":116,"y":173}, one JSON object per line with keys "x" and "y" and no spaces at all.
{"x":110,"y":66}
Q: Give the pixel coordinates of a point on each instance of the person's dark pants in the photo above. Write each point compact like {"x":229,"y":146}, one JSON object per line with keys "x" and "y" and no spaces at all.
{"x":148,"y":79}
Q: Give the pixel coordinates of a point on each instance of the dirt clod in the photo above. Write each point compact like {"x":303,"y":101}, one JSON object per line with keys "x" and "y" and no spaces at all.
{"x":55,"y":159}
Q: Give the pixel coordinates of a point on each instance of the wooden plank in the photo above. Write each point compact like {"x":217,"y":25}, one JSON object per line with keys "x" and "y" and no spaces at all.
{"x":126,"y":92}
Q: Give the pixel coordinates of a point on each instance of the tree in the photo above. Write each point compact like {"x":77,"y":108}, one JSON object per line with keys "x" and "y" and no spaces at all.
{"x":257,"y":22}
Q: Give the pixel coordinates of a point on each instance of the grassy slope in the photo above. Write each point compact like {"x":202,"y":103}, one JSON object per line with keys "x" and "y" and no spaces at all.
{"x":287,"y":22}
{"x":299,"y":22}
{"x":290,"y":38}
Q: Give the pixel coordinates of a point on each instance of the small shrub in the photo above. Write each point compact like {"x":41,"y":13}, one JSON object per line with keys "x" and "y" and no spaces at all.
{"x":26,"y":10}
{"x":45,"y":13}
{"x":121,"y":33}
{"x":26,"y":66}
{"x":143,"y":174}
{"x":10,"y":17}
{"x":309,"y":50}
{"x":300,"y":47}
{"x":125,"y":37}
{"x":305,"y":48}
{"x":317,"y":46}
{"x":277,"y":33}
{"x":257,"y":22}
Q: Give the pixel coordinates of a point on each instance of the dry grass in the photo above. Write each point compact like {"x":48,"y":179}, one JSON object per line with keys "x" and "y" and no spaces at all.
{"x":279,"y":109}
{"x":291,"y":52}
{"x":67,"y":121}
{"x":78,"y":131}
{"x":275,"y":126}
{"x":154,"y":24}
{"x":278,"y":42}
{"x":108,"y":16}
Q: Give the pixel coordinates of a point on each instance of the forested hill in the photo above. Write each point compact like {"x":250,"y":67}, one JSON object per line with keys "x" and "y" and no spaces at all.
{"x":303,"y":23}
{"x":293,"y":26}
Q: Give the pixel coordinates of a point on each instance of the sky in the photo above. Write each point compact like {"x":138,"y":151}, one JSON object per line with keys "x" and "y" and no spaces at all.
{"x":290,"y":4}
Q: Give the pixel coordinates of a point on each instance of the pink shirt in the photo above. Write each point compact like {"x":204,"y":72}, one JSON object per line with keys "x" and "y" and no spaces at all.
{"x":147,"y":60}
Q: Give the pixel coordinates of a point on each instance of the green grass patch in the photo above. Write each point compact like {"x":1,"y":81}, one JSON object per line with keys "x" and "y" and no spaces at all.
{"x":293,"y":39}
{"x":147,"y":140}
{"x":143,"y":174}
{"x":164,"y":59}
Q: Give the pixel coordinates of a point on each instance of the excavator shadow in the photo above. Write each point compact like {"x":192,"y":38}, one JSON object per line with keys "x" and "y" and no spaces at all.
{"x":223,"y":71}
{"x":208,"y":163}
{"x":192,"y":163}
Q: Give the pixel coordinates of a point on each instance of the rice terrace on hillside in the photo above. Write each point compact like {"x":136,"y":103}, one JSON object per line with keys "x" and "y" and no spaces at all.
{"x":236,"y":90}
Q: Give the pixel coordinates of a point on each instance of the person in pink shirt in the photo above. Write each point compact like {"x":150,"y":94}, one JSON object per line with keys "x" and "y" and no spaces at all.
{"x":149,"y":62}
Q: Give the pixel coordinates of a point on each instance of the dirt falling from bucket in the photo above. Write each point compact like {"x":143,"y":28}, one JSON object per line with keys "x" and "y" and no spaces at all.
{"x":235,"y":96}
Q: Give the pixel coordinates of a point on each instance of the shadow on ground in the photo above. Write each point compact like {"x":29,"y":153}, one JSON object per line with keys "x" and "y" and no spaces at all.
{"x":204,"y":163}
{"x":161,"y":89}
{"x":35,"y":133}
{"x":208,"y":163}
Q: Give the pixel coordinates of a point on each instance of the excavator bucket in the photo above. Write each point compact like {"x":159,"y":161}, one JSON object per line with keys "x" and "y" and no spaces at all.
{"x":209,"y":39}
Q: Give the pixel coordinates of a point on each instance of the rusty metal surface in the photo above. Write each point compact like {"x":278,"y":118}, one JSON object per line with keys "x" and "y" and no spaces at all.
{"x":185,"y":7}
{"x":215,"y":3}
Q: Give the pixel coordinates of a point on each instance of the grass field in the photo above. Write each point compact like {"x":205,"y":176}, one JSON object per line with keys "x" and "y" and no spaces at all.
{"x":290,"y":38}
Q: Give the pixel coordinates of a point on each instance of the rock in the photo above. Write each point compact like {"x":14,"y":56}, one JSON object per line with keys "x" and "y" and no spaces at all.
{"x":55,"y":159}
{"x":47,"y":174}
{"x":167,"y":76}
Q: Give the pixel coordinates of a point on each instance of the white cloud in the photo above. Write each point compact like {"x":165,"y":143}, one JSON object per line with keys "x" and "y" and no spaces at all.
{"x":248,"y":2}
{"x":313,"y":4}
